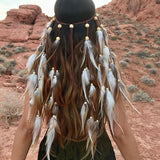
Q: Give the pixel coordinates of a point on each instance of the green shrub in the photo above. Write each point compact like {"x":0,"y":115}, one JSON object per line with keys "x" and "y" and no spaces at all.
{"x":132,"y":88}
{"x":158,"y":64}
{"x":139,"y":33}
{"x":142,"y":54}
{"x":4,"y":51}
{"x":157,"y":41}
{"x":3,"y":69}
{"x":142,"y":96}
{"x":128,"y":60}
{"x":123,"y":64}
{"x":153,"y":71}
{"x":126,"y":49}
{"x":3,"y":59}
{"x":9,"y":65}
{"x":148,"y":81}
{"x":113,"y":38}
{"x":10,"y":45}
{"x":139,"y":41}
{"x":147,"y":45}
{"x":23,"y":74}
{"x":148,"y":65}
{"x":157,"y":54}
{"x":19,"y":50}
{"x":4,"y":48}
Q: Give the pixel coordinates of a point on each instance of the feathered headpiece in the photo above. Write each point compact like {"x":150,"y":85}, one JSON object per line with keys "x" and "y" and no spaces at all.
{"x":108,"y":79}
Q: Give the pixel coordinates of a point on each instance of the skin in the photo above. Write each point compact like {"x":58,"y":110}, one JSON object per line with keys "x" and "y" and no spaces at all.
{"x":23,"y":137}
{"x":124,"y":139}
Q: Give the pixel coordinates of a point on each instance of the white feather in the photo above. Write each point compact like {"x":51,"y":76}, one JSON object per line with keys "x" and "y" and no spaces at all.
{"x":50,"y":139}
{"x":90,"y":135}
{"x":85,"y":81}
{"x":36,"y":129}
{"x":104,"y":63}
{"x":32,"y":83}
{"x":50,"y":102}
{"x":121,"y":90}
{"x":105,"y":35}
{"x":100,"y":59}
{"x":31,"y":102}
{"x":85,"y":52}
{"x":100,"y":39}
{"x":88,"y":46}
{"x":57,"y":73}
{"x":93,"y":130}
{"x":55,"y":109}
{"x":54,"y":81}
{"x":51,"y":73}
{"x":41,"y":83}
{"x":111,"y":80}
{"x":89,"y":124}
{"x":101,"y":99}
{"x":83,"y":113}
{"x":90,"y":52}
{"x":44,"y":36}
{"x":106,"y":54}
{"x":106,"y":66}
{"x":40,"y":72}
{"x":56,"y":43}
{"x":110,"y":106}
{"x":41,"y":65}
{"x":99,"y":75}
{"x":30,"y":62}
{"x":51,"y":134}
{"x":36,"y":94}
{"x":92,"y":90}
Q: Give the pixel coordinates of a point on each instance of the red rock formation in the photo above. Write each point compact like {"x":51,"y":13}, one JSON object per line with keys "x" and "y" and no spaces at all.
{"x":23,"y":25}
{"x":140,"y":9}
{"x":25,"y":14}
{"x":38,"y":27}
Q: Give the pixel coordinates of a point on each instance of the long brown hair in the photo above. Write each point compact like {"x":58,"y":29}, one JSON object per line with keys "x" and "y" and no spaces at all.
{"x":61,"y":54}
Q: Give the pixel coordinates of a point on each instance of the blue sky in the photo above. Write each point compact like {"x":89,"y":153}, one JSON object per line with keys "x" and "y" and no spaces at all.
{"x":46,"y":5}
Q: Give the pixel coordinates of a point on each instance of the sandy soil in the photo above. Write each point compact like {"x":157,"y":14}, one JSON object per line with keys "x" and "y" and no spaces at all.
{"x":146,"y":127}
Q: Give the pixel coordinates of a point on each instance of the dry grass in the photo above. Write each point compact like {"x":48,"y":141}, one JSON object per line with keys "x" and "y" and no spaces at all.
{"x":11,"y":107}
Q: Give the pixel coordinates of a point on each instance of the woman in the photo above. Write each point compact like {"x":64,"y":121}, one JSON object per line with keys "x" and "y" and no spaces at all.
{"x":74,"y":84}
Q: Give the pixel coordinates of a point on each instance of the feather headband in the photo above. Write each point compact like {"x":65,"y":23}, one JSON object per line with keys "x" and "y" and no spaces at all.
{"x":107,"y":86}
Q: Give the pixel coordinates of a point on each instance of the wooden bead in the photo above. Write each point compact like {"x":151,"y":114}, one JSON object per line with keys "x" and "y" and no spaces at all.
{"x":101,"y":25}
{"x":54,"y":116}
{"x":50,"y":28}
{"x":95,"y":18}
{"x":71,"y":26}
{"x":53,"y":19}
{"x":59,"y":26}
{"x":86,"y":38}
{"x":87,"y":25}
{"x":98,"y":28}
{"x":58,"y":38}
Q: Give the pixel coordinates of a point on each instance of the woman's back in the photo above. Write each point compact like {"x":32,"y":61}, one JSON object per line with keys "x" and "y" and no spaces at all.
{"x":74,"y":85}
{"x":77,"y":150}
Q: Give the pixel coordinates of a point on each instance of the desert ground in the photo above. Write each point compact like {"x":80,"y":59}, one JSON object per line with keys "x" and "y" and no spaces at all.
{"x":137,"y":46}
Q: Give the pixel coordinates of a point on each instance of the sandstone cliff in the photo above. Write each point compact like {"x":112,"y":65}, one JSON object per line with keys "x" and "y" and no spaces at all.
{"x":141,"y":10}
{"x":23,"y":25}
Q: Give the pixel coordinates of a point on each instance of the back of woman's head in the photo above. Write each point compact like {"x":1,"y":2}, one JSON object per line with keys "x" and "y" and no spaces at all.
{"x":73,"y":11}
{"x":74,"y":80}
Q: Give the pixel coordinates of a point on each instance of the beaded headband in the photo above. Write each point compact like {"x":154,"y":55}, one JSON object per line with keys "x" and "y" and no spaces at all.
{"x":109,"y":90}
